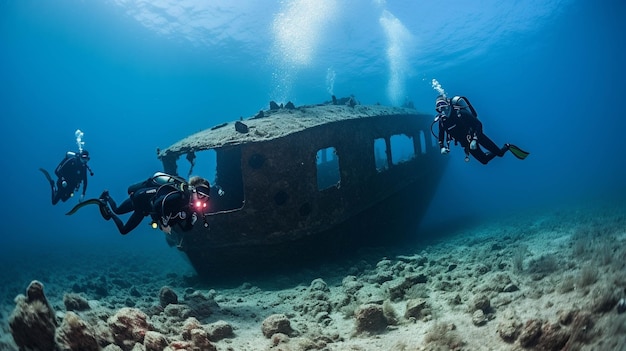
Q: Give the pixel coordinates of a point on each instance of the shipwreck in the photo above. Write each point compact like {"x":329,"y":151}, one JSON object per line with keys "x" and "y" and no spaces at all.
{"x":291,"y":183}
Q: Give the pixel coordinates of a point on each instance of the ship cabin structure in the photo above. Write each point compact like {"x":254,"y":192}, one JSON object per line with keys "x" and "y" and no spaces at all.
{"x":293,"y":183}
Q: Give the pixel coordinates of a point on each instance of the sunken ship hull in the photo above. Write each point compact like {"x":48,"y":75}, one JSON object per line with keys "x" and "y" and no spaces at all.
{"x":298,"y":183}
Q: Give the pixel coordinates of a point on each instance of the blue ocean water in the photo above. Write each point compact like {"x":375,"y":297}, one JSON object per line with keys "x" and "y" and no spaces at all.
{"x":135,"y":76}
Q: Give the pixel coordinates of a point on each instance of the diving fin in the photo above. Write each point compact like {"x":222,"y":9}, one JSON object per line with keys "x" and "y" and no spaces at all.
{"x":85,"y":203}
{"x":45,"y":173}
{"x":517,"y":152}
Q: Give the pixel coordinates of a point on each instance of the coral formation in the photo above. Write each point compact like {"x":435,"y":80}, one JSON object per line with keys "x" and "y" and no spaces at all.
{"x":76,"y":334}
{"x":129,"y":326}
{"x":33,"y":322}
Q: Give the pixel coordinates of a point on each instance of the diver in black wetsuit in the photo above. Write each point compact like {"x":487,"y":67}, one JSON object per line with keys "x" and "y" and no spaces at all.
{"x":140,"y":196}
{"x":458,"y":121}
{"x":174,"y":206}
{"x":71,"y":172}
{"x":167,"y":199}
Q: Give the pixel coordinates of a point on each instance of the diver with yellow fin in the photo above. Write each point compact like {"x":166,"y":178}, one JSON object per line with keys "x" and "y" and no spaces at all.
{"x":458,"y":121}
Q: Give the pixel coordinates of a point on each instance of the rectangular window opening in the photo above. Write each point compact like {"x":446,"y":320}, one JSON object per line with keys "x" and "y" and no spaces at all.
{"x":380,"y":155}
{"x":402,"y":148}
{"x":328,"y":174}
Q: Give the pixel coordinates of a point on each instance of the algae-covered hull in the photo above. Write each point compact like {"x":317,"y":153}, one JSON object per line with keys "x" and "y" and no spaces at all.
{"x":294,"y":183}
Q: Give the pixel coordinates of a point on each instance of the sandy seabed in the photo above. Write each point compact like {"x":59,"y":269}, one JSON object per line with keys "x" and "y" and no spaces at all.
{"x":545,"y":280}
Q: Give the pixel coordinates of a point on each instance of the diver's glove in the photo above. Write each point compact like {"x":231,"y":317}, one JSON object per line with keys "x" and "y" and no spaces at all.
{"x":445,"y":150}
{"x":473,"y":144}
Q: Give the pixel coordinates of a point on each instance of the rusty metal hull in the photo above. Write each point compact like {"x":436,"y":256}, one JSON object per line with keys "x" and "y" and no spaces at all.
{"x":275,"y":212}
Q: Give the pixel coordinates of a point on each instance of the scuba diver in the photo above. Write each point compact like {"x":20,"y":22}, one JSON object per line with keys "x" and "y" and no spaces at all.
{"x":458,"y":121}
{"x":173,"y":206}
{"x":71,"y":172}
{"x":164,"y":197}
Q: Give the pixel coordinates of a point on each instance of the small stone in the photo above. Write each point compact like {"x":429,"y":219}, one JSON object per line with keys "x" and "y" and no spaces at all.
{"x":190,"y":324}
{"x":200,"y":340}
{"x":154,"y":341}
{"x":319,"y":285}
{"x":370,"y":318}
{"x":414,"y":308}
{"x":219,"y":330}
{"x":276,"y":323}
{"x":479,"y":318}
{"x":167,"y":296}
{"x":481,"y":302}
{"x":279,"y":338}
{"x":510,"y":288}
{"x":75,"y":302}
{"x":75,"y":334}
{"x":509,"y":330}
{"x":128,"y":326}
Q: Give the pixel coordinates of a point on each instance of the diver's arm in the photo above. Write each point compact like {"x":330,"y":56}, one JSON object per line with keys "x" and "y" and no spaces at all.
{"x":84,"y":182}
{"x":478,"y":126}
{"x":443,"y":147}
{"x":442,"y":132}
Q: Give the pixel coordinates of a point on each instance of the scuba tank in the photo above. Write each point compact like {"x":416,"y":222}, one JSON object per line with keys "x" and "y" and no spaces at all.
{"x":160,"y":178}
{"x":157,"y":180}
{"x":461,"y":102}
